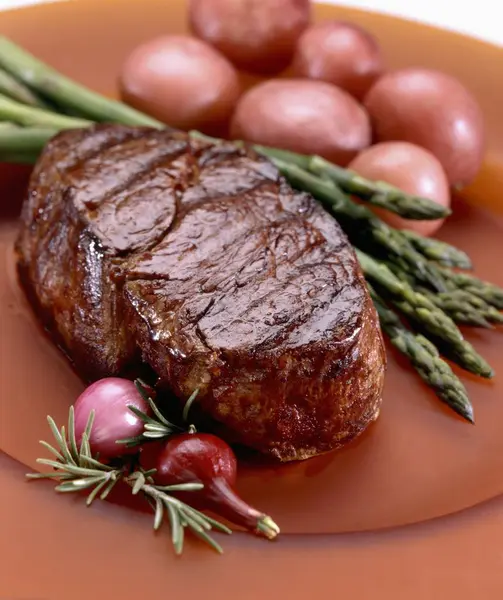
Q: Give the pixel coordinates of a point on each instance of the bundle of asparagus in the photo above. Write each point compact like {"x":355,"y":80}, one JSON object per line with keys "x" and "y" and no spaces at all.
{"x":411,"y":273}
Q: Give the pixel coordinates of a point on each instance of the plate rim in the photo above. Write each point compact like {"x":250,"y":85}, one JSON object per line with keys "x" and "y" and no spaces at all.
{"x":456,"y":526}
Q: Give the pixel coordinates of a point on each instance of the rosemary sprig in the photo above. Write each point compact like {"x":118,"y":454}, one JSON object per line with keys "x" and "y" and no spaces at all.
{"x":155,"y":426}
{"x":180,"y":515}
{"x":76,"y":469}
{"x":188,"y":405}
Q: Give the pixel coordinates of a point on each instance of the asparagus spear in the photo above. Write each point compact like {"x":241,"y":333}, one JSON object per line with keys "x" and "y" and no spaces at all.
{"x":49,"y":83}
{"x":402,"y":271}
{"x":14,"y":89}
{"x":27,"y":143}
{"x":10,"y":110}
{"x":377,"y":193}
{"x":490,"y":293}
{"x":425,"y":358}
{"x":440,"y":252}
{"x":460,"y":304}
{"x":463,"y":301}
{"x":426,"y":314}
{"x":361,"y":225}
{"x":460,"y":308}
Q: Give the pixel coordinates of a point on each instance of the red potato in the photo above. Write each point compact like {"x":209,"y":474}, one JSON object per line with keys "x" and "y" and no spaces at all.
{"x":339,"y":53}
{"x":410,"y":168}
{"x":182,"y":82}
{"x":256,"y":35}
{"x":435,"y":111}
{"x":311,"y":117}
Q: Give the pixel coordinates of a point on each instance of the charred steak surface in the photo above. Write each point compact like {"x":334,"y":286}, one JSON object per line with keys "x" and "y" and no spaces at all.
{"x":142,"y":246}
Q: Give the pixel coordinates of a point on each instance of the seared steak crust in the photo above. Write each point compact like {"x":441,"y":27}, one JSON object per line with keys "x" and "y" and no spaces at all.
{"x":140,"y":245}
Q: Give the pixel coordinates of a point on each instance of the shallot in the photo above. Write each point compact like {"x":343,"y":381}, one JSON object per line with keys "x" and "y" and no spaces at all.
{"x":110,"y":400}
{"x":205,"y":458}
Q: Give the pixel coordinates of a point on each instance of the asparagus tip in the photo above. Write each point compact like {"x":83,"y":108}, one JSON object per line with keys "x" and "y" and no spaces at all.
{"x":467,"y":413}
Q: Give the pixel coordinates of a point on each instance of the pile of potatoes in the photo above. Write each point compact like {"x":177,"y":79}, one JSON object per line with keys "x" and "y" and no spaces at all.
{"x":418,"y":129}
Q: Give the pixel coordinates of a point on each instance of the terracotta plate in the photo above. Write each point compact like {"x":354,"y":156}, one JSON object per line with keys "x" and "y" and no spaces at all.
{"x":411,"y":510}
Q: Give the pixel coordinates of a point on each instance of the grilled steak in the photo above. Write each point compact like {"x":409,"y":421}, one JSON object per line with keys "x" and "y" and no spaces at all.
{"x":140,"y":246}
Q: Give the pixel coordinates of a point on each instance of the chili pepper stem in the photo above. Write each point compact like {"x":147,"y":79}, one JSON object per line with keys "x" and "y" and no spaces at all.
{"x":267,"y":527}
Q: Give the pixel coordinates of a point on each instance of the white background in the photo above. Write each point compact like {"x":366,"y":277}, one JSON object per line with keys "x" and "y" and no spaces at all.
{"x":480,"y":18}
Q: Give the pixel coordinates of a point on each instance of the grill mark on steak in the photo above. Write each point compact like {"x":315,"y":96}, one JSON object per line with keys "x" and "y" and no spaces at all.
{"x":43,"y":205}
{"x":201,"y":262}
{"x":288,"y":322}
{"x":138,"y":216}
{"x":232,"y":318}
{"x":119,"y":166}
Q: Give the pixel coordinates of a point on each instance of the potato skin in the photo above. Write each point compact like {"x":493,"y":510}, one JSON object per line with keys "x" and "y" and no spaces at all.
{"x":310,"y":117}
{"x":435,"y":111}
{"x":181,"y":81}
{"x":339,"y":53}
{"x":410,"y":168}
{"x":256,"y":35}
